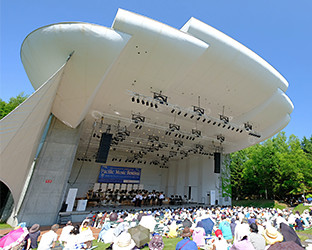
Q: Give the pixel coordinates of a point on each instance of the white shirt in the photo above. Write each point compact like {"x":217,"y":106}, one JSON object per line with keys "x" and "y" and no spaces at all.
{"x":47,"y":240}
{"x":65,"y":233}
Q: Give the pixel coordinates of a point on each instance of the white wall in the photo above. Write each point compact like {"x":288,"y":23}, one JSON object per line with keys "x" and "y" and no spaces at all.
{"x":196,"y":172}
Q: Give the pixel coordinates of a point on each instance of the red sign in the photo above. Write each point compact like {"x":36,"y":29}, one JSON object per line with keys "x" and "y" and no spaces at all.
{"x":48,"y":181}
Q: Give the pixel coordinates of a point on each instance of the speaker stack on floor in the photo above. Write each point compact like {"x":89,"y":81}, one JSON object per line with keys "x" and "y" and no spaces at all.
{"x":104,"y":147}
{"x":217,"y":163}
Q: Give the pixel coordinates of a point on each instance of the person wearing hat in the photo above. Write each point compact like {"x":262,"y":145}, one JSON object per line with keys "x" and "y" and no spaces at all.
{"x":32,"y":237}
{"x":271,"y":236}
{"x":186,"y":243}
{"x":124,"y":242}
{"x":219,"y":243}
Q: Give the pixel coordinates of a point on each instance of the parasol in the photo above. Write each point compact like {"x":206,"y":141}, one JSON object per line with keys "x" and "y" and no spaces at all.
{"x":140,"y":235}
{"x":13,"y":238}
{"x":286,"y":245}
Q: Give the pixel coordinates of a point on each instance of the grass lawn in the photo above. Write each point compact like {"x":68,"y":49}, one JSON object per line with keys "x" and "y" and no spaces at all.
{"x":259,"y":203}
{"x":4,"y":225}
{"x":304,"y":235}
{"x":300,"y":208}
{"x":254,"y":203}
{"x":170,"y":244}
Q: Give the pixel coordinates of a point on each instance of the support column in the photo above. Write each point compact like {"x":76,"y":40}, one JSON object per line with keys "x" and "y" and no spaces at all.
{"x":49,"y":182}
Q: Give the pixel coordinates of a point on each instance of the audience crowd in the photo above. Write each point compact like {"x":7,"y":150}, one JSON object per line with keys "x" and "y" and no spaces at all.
{"x":217,"y":228}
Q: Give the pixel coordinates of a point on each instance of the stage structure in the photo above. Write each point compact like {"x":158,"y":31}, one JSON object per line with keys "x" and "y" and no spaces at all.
{"x":141,"y":94}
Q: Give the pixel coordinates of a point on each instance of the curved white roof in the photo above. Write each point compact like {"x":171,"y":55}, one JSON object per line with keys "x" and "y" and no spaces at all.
{"x":195,"y":66}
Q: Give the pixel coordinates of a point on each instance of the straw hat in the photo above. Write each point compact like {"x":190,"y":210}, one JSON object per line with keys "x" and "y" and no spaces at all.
{"x":272,"y":236}
{"x":124,"y":242}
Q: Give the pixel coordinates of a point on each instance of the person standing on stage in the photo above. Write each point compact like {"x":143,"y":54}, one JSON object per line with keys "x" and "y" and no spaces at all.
{"x":161,"y":198}
{"x":138,"y":199}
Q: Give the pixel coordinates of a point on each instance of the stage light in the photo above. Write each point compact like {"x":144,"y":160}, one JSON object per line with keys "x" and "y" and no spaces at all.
{"x":172,"y":111}
{"x":214,"y":123}
{"x":204,"y":120}
{"x":142,"y":102}
{"x":138,"y":100}
{"x":220,"y":138}
{"x":185,"y":115}
{"x":233,"y":128}
{"x":241,"y":131}
{"x":209,"y":121}
{"x":229,"y":127}
{"x":133,"y":99}
{"x":198,"y":110}
{"x":192,"y":116}
{"x":162,"y":99}
{"x":179,"y":113}
{"x":94,"y":135}
{"x":225,"y":119}
{"x":237,"y":130}
{"x":147,"y":103}
{"x":219,"y":124}
{"x":248,"y":126}
{"x":224,"y":126}
{"x":198,"y":118}
{"x":152,"y":104}
{"x":156,"y":106}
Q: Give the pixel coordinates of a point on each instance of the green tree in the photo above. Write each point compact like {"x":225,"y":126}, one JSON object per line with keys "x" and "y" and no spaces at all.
{"x":6,"y":108}
{"x":276,"y":168}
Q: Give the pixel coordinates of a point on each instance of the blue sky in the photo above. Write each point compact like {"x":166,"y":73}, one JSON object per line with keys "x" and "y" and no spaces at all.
{"x":280,"y":31}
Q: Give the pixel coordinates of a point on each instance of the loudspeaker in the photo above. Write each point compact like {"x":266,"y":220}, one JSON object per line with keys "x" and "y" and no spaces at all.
{"x":217,"y":163}
{"x":103,"y":150}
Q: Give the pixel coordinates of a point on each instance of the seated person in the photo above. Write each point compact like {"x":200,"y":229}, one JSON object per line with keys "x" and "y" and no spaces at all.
{"x":48,"y":239}
{"x":186,"y":243}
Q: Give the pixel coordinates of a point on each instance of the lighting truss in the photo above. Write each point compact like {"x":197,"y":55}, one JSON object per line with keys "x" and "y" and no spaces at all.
{"x":153,"y":138}
{"x":182,"y":152}
{"x":136,"y":118}
{"x":174,"y":127}
{"x":178,"y":143}
{"x":198,"y":110}
{"x":199,"y":146}
{"x":225,"y":119}
{"x":248,"y":126}
{"x":196,"y":132}
{"x":162,"y":99}
{"x":172,"y":153}
{"x":220,"y":138}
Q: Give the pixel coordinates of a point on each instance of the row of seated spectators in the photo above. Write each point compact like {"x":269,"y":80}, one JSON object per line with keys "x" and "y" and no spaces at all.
{"x":136,"y":197}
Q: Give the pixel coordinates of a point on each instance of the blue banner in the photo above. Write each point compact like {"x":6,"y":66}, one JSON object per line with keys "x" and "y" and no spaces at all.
{"x":112,"y":174}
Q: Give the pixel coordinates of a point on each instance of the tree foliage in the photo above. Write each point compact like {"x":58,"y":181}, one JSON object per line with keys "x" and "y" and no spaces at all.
{"x":275,"y":169}
{"x":7,"y":107}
